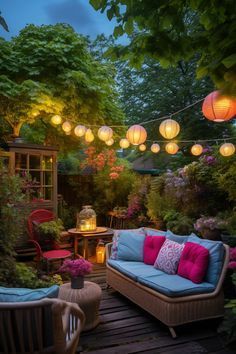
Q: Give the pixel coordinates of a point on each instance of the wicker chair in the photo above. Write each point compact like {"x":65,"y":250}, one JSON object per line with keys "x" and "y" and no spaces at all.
{"x":43,"y":326}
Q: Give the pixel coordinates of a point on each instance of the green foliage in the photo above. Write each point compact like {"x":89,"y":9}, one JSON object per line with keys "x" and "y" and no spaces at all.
{"x":178,"y":223}
{"x":51,"y":230}
{"x":26,"y":277}
{"x":175,"y":30}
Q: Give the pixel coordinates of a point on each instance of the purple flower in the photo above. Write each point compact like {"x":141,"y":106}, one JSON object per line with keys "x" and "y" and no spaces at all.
{"x":232,"y":265}
{"x":76,"y":267}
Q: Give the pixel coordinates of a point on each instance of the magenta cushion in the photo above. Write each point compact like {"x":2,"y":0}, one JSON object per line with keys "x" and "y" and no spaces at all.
{"x":193,"y":262}
{"x":169,"y":256}
{"x":151,"y":248}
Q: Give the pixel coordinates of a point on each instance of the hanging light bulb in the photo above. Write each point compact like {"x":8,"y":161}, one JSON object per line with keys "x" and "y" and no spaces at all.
{"x":227,"y":149}
{"x":124,"y":143}
{"x":169,"y":128}
{"x":56,"y":120}
{"x":172,"y":148}
{"x":110,"y":142}
{"x":66,"y":126}
{"x":136,"y":134}
{"x":142,"y":147}
{"x":89,"y":137}
{"x":80,"y":130}
{"x":155,"y":148}
{"x":105,"y":133}
{"x":196,"y":149}
{"x":218,"y":108}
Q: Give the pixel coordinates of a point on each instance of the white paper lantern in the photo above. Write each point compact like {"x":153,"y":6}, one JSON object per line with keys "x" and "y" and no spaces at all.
{"x":169,"y":128}
{"x":142,"y":147}
{"x":124,"y":143}
{"x":80,"y":130}
{"x":89,"y":137}
{"x":172,"y":148}
{"x":56,"y":120}
{"x":109,"y":142}
{"x":105,"y":133}
{"x":155,"y":148}
{"x":196,"y":149}
{"x":136,"y":134}
{"x":227,"y":149}
{"x":66,"y":126}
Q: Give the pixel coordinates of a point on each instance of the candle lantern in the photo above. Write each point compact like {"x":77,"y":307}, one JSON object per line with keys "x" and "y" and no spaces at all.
{"x":100,"y":252}
{"x":86,"y":219}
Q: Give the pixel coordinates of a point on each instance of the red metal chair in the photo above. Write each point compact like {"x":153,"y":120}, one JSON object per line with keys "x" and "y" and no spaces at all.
{"x":37,"y":217}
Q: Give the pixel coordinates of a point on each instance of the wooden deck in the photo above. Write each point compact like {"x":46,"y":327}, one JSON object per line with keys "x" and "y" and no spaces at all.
{"x":125,"y":328}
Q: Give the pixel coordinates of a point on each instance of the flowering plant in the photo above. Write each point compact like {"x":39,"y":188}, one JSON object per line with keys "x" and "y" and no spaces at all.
{"x":232,"y":258}
{"x":76,"y":267}
{"x":210,"y":222}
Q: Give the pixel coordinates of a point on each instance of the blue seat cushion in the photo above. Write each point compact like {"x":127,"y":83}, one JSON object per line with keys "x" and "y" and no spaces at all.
{"x":133,"y":269}
{"x":130,"y":245}
{"x":174,"y":285}
{"x":23,"y":294}
{"x":216,"y":257}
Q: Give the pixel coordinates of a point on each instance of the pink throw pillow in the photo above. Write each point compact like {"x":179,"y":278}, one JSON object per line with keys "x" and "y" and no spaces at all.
{"x":169,"y":256}
{"x":151,"y":248}
{"x":193,"y":262}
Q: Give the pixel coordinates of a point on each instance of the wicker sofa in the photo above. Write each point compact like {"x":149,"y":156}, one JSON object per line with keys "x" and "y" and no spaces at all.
{"x":172,"y":310}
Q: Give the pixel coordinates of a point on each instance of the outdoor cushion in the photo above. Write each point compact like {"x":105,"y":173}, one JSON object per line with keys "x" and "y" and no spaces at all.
{"x":177,"y":238}
{"x":133,"y":269}
{"x":193,"y":262}
{"x":130,"y":245}
{"x":216,"y":255}
{"x":154,"y":232}
{"x":174,"y":285}
{"x":152,"y":246}
{"x":24,"y":294}
{"x":169,"y":256}
{"x":115,"y":240}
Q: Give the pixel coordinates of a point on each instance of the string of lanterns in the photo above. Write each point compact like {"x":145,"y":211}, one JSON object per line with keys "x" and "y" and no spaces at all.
{"x":215,"y":107}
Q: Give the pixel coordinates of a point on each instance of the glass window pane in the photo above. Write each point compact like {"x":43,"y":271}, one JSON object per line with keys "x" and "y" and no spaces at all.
{"x":47,"y":178}
{"x":35,"y":175}
{"x":21,"y":161}
{"x":48,"y":193}
{"x":47,"y":162}
{"x":34,"y":162}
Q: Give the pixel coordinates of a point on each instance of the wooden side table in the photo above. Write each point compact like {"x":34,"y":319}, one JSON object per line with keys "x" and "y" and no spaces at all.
{"x":88,"y":298}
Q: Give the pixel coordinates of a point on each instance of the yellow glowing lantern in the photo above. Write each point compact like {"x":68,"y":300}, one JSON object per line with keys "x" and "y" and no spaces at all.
{"x":196,"y":149}
{"x":105,"y":133}
{"x":169,"y":128}
{"x":56,"y":120}
{"x":100,"y":252}
{"x":227,"y":149}
{"x":172,"y":148}
{"x":124,"y":143}
{"x":110,"y":142}
{"x":142,"y":147}
{"x":155,"y":148}
{"x":89,"y":137}
{"x":66,"y":126}
{"x":86,"y":219}
{"x":136,"y":134}
{"x":218,"y":108}
{"x":80,"y":130}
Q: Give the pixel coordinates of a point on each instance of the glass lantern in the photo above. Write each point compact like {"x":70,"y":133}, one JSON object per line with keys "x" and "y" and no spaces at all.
{"x":86,"y":219}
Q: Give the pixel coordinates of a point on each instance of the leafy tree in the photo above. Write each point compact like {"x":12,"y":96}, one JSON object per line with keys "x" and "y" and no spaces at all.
{"x":48,"y":70}
{"x":171,"y":31}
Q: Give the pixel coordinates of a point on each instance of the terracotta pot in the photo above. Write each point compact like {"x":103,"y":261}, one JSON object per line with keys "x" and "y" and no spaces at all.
{"x":77,"y":282}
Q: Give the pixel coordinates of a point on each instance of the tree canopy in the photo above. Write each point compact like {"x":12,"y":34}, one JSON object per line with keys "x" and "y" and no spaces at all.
{"x":171,"y":31}
{"x":48,"y":70}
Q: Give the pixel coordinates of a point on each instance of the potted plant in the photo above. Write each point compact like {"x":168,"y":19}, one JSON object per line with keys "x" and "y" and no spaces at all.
{"x":50,"y":230}
{"x":210,"y":227}
{"x":77,"y":269}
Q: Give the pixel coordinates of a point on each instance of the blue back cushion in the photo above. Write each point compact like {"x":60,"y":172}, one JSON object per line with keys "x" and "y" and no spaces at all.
{"x":130,"y":246}
{"x":154,"y":232}
{"x":23,"y":294}
{"x":177,"y":238}
{"x":216,"y":257}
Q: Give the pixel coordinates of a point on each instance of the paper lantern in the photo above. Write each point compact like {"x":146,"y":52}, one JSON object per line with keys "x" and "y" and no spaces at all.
{"x":66,"y":126}
{"x":172,"y":148}
{"x":56,"y":120}
{"x":124,"y":143}
{"x":89,"y":137}
{"x":196,"y":149}
{"x":227,"y":149}
{"x":142,"y":147}
{"x":218,"y":108}
{"x":110,"y":142}
{"x":169,"y":128}
{"x":105,"y":133}
{"x":100,"y":252}
{"x":155,"y":148}
{"x":136,"y":134}
{"x":80,"y":130}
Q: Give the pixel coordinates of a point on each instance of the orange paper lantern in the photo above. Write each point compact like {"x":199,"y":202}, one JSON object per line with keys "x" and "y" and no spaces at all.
{"x":136,"y":134}
{"x":172,"y":148}
{"x":218,"y":108}
{"x":169,"y":128}
{"x":227,"y":149}
{"x":142,"y":147}
{"x":196,"y":149}
{"x":155,"y":148}
{"x":124,"y":143}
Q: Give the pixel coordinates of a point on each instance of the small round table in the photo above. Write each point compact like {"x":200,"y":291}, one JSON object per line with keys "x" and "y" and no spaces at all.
{"x":88,"y":298}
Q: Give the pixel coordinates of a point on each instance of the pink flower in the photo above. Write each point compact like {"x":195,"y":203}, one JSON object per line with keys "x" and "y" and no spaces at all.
{"x":232,"y":254}
{"x":232,"y":265}
{"x":76,"y":267}
{"x":113,"y":175}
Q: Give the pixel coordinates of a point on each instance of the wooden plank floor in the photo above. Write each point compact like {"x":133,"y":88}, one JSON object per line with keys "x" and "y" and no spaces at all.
{"x":125,"y":328}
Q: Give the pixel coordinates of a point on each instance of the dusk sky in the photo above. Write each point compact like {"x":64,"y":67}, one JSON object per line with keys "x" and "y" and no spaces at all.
{"x":78,"y":13}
